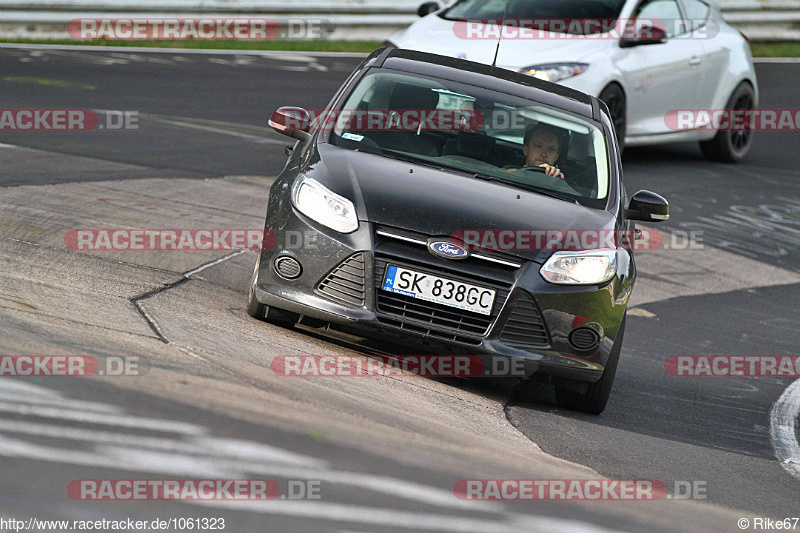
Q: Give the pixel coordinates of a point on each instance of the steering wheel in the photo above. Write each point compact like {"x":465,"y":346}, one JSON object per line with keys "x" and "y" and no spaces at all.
{"x":515,"y":168}
{"x":537,"y":169}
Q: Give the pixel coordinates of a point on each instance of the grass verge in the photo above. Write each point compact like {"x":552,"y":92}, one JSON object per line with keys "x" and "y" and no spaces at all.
{"x":778,"y":49}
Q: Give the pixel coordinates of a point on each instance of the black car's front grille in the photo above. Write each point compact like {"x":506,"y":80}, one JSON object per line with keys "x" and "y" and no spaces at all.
{"x":347,"y":282}
{"x":525,"y":324}
{"x":431,"y":318}
{"x":433,"y":313}
{"x":429,"y":332}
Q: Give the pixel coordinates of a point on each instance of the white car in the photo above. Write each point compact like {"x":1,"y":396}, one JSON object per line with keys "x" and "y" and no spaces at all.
{"x":646,"y":59}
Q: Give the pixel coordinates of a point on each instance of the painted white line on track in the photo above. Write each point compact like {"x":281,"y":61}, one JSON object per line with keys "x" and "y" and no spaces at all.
{"x":124,"y":458}
{"x":244,"y":458}
{"x":110,"y":419}
{"x":25,"y":389}
{"x":23,"y":449}
{"x":59,"y":402}
{"x":399,"y":488}
{"x":309,"y":509}
{"x":177,"y":51}
{"x":405,"y":519}
{"x":128,"y":456}
{"x":782,"y":429}
{"x":257,"y":451}
{"x":199,"y":454}
{"x":236,"y":449}
{"x":254,"y":138}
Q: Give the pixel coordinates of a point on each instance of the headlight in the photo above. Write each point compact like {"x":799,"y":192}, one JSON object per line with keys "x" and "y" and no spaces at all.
{"x":556,"y":71}
{"x":319,"y":203}
{"x":580,"y":268}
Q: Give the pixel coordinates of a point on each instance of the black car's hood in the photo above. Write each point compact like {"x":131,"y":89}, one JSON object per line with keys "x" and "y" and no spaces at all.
{"x":436,"y":202}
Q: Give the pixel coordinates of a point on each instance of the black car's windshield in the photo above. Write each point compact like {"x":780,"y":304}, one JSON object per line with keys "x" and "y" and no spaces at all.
{"x":540,"y":10}
{"x":446,"y":124}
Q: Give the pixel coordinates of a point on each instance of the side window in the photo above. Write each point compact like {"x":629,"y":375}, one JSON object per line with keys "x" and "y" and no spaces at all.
{"x":477,"y":9}
{"x":696,"y":13}
{"x":665,"y":11}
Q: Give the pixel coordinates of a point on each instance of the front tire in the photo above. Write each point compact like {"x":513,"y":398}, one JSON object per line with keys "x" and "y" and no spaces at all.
{"x":595,"y":398}
{"x":256,"y":309}
{"x":732,"y":145}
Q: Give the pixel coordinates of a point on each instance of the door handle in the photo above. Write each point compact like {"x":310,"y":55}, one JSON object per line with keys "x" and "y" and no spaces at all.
{"x":695,"y":60}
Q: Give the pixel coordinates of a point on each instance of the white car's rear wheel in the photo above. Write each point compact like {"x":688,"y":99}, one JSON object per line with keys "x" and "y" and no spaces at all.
{"x":614,"y":97}
{"x":730,"y":146}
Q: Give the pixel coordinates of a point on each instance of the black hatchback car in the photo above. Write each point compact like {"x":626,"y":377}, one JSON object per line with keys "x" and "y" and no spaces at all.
{"x":461,"y":208}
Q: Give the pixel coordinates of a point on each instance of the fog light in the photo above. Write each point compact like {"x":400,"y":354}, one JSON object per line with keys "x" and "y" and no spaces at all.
{"x":584,"y":339}
{"x":288,"y":267}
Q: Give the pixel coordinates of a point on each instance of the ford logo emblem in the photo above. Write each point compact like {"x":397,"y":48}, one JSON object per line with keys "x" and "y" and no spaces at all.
{"x":448,"y":250}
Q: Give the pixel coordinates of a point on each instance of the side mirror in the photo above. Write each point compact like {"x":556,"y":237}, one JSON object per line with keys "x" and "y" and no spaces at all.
{"x":643,"y":34}
{"x":648,"y":207}
{"x":294,"y":122}
{"x":427,"y":8}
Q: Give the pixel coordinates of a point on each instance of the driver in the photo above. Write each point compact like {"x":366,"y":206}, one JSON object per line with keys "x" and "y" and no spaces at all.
{"x":541,"y":147}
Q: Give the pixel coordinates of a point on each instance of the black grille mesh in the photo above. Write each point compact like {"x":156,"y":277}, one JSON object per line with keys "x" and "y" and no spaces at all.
{"x":525,"y":324}
{"x":347,"y":281}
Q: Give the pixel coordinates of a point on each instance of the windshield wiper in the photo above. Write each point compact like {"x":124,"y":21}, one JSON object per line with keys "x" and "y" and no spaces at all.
{"x":527,"y":187}
{"x":393,"y":154}
{"x":403,"y":156}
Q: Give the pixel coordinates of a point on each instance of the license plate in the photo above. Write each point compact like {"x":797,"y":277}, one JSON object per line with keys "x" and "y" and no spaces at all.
{"x":438,"y":290}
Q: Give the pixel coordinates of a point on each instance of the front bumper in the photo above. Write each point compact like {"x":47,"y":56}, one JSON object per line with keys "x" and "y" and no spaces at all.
{"x":531,"y":323}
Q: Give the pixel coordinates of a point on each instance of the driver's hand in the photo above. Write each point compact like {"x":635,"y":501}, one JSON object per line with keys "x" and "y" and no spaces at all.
{"x":552,"y":171}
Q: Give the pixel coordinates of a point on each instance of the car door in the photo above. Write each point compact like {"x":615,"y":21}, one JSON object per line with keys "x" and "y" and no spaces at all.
{"x":661,"y":77}
{"x":714,"y":59}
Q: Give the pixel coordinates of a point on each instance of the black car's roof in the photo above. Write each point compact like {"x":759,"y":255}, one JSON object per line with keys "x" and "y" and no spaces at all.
{"x":496,"y":78}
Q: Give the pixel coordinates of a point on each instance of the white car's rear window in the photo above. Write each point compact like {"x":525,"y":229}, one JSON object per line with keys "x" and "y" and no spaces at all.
{"x":540,"y":10}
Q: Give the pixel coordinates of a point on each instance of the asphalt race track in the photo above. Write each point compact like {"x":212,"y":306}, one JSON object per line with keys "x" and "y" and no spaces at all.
{"x":383,"y":453}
